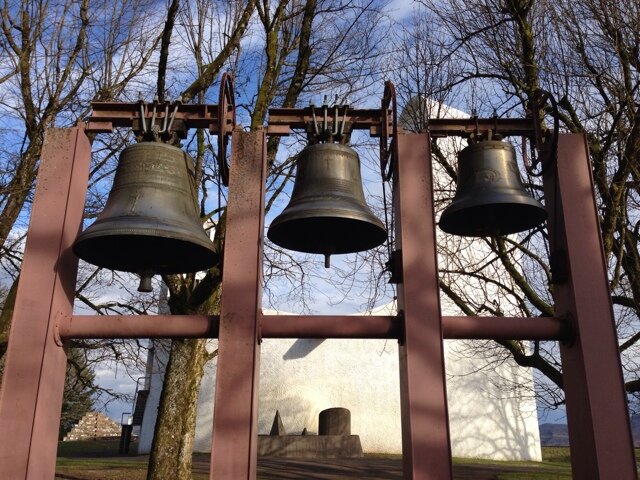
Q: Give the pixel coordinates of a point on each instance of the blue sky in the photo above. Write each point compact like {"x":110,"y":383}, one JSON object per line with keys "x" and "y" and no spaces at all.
{"x":324,"y":292}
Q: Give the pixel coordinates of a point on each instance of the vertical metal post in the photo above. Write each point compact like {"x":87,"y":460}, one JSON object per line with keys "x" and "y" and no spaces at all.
{"x":33,"y":380}
{"x":423,"y":399}
{"x":235,"y":426}
{"x":597,"y":412}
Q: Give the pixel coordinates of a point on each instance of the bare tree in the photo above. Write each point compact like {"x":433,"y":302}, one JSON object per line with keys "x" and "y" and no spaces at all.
{"x":292,"y":57}
{"x":495,"y":55}
{"x":56,"y":58}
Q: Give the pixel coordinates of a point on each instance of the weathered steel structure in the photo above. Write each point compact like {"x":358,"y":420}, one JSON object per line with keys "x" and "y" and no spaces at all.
{"x":601,"y":444}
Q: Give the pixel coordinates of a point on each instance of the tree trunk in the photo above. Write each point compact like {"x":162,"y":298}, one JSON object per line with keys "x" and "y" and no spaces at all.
{"x":172,"y":448}
{"x":5,"y":323}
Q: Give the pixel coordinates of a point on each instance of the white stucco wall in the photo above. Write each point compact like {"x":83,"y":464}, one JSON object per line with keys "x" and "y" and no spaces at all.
{"x":302,"y":377}
{"x":158,"y":361}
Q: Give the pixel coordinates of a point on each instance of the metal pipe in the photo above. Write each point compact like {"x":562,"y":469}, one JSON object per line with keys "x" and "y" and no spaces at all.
{"x":138,"y":326}
{"x":308,"y":326}
{"x":505,"y":328}
{"x":330,"y":326}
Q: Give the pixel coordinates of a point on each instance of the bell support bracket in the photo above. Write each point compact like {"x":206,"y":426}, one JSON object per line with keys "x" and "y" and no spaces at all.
{"x":282,"y":121}
{"x":172,"y":118}
{"x":218,"y":119}
{"x":388,"y":152}
{"x":106,"y":116}
{"x":329,"y":123}
{"x":226,"y":123}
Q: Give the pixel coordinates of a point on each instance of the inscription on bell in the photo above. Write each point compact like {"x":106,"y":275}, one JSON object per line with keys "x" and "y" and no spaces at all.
{"x":158,"y":168}
{"x":151,"y":166}
{"x":133,"y":201}
{"x":151,"y":222}
{"x":490,"y":199}
{"x":486,"y":175}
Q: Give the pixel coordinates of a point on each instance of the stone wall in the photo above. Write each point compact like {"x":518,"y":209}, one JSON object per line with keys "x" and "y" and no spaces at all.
{"x":92,"y":426}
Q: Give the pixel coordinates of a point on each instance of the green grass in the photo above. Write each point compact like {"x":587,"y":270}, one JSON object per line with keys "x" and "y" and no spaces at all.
{"x":92,"y":460}
{"x":536,"y":476}
{"x":99,"y":460}
{"x":556,"y":454}
{"x":555,"y":465}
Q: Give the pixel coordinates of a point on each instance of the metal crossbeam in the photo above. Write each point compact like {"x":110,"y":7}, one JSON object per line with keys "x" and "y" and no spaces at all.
{"x":282,"y":121}
{"x":106,"y":116}
{"x":308,"y":326}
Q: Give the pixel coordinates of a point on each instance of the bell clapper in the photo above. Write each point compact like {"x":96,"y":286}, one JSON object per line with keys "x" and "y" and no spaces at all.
{"x":145,"y":281}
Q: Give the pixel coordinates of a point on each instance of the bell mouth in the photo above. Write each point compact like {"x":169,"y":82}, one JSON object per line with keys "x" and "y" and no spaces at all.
{"x":327,"y":235}
{"x":490,"y":198}
{"x":491,"y":220}
{"x":145,"y":253}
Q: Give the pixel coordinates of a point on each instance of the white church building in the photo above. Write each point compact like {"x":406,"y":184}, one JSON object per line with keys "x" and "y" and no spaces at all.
{"x":301,"y":377}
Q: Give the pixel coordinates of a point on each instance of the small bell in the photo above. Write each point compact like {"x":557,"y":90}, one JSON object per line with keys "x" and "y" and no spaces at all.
{"x":327,"y":214}
{"x":490,"y":198}
{"x":150,"y":224}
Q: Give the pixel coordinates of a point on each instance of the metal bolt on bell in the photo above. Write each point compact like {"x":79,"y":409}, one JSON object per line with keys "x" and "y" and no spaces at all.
{"x":327,"y":213}
{"x":490,"y":198}
{"x":151,"y":223}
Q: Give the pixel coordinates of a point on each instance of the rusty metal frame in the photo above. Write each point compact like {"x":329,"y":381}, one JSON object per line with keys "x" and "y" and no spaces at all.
{"x":308,"y":326}
{"x":106,"y":116}
{"x":33,"y":380}
{"x":282,"y":121}
{"x":43,"y":320}
{"x":423,"y":391}
{"x":597,"y":411}
{"x":234,"y":449}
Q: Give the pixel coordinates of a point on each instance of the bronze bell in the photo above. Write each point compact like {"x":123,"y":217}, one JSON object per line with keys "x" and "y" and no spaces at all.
{"x":151,"y":221}
{"x":490,"y":198}
{"x":327,"y":213}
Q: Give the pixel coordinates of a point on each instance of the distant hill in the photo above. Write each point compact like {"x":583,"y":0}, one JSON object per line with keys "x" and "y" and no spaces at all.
{"x":554,"y":435}
{"x":557,"y":434}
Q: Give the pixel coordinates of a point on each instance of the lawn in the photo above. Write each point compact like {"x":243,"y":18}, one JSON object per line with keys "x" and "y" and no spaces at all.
{"x":99,"y":460}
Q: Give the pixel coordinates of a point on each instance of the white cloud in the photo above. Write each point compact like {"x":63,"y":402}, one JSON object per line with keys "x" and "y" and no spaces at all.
{"x":400,"y":9}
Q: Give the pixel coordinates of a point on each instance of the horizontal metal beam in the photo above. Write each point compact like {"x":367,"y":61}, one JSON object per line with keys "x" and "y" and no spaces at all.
{"x":308,"y":326}
{"x":138,"y":326}
{"x":505,"y":328}
{"x":330,"y":326}
{"x":463,"y":127}
{"x":283,"y":120}
{"x":105,"y":116}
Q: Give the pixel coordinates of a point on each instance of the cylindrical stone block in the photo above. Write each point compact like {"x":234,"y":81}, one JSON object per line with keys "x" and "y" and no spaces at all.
{"x":334,"y":421}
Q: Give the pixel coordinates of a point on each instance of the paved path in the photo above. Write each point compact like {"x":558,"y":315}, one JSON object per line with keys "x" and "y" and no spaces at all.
{"x":272,"y":468}
{"x":368,"y":468}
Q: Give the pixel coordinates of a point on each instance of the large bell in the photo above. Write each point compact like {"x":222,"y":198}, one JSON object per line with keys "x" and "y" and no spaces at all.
{"x":151,"y":222}
{"x":490,"y":198}
{"x":327,"y":213}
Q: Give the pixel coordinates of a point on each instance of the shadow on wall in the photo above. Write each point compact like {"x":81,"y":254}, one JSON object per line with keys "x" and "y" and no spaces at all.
{"x":503,"y":436}
{"x":487,"y":420}
{"x":302,"y":377}
{"x":204,"y":416}
{"x":302,"y":347}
